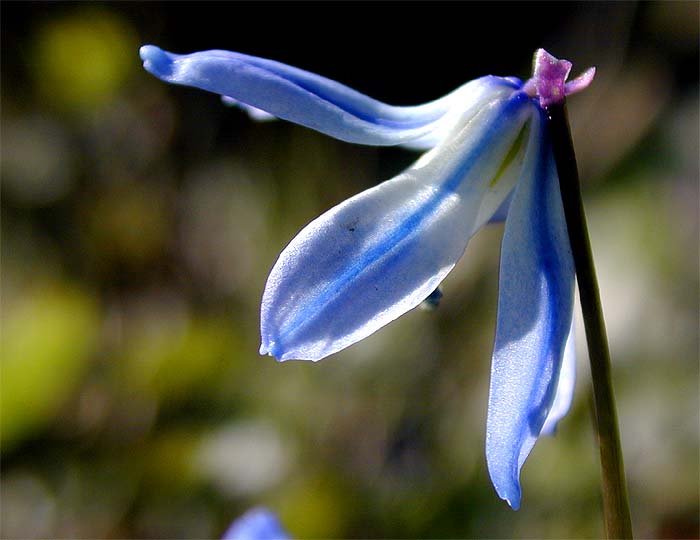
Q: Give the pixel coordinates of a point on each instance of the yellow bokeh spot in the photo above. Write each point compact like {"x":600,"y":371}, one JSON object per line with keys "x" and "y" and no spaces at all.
{"x":46,"y":341}
{"x":82,"y":59}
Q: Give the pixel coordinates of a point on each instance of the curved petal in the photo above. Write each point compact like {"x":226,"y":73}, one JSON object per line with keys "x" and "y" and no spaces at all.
{"x":379,"y":254}
{"x":536,"y":291}
{"x":316,"y":102}
{"x":565,"y":386}
{"x":256,"y":524}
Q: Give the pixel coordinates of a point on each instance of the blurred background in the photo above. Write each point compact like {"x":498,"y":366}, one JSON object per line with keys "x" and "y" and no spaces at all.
{"x":140,"y":220}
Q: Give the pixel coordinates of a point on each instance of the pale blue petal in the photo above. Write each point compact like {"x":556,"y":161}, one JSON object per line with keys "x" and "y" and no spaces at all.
{"x":500,"y":215}
{"x":255,"y":114}
{"x":381,"y":253}
{"x":316,"y":102}
{"x":256,"y":524}
{"x":536,"y":292}
{"x":565,"y":387}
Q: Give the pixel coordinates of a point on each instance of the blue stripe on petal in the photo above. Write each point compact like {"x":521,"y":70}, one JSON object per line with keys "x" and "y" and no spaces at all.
{"x":256,"y":524}
{"x":381,"y":253}
{"x":534,"y":316}
{"x":316,"y":102}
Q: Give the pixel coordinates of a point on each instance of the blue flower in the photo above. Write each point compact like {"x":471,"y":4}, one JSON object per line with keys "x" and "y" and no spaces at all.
{"x":256,"y":524}
{"x":384,"y":251}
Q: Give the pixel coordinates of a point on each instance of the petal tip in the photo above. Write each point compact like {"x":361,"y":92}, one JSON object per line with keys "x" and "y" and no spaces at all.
{"x":270,"y":348}
{"x":267,"y":349}
{"x":514,"y":504}
{"x":156,"y":61}
{"x":504,"y":477}
{"x":509,"y":493}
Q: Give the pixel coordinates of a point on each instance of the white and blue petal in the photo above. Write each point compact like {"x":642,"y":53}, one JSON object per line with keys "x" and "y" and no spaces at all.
{"x":536,"y":294}
{"x":565,"y":387}
{"x":382,"y":252}
{"x":308,"y":99}
{"x":256,"y":524}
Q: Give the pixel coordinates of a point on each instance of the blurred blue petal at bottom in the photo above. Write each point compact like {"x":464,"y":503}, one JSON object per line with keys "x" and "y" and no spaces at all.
{"x":256,"y":524}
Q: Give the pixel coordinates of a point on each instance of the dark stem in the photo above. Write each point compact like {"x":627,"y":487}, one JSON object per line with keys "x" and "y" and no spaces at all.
{"x":616,"y":506}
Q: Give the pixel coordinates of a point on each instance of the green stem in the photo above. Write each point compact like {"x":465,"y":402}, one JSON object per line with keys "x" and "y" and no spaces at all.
{"x":618,"y":523}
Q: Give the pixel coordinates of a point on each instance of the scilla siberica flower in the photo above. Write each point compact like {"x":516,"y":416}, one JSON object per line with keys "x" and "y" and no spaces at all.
{"x":382,"y":252}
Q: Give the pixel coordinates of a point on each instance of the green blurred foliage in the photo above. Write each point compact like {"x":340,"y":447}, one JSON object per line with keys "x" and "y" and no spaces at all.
{"x":139,"y":222}
{"x":46,"y":343}
{"x":174,"y":363}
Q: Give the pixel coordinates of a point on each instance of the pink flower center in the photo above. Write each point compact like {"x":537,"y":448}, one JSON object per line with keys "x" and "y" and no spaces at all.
{"x":548,"y":82}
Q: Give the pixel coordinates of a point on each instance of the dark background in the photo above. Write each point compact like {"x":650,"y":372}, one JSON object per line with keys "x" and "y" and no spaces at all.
{"x":139,"y":222}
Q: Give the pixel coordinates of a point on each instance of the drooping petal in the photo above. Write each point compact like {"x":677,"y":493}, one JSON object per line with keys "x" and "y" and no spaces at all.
{"x":256,"y":524}
{"x":536,"y":291}
{"x":316,"y":102}
{"x":379,"y":254}
{"x":565,"y":386}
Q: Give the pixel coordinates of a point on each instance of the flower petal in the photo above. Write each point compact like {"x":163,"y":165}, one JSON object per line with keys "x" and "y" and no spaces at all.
{"x":379,"y":254}
{"x":502,"y":212}
{"x":316,"y":102}
{"x":256,"y":524}
{"x":565,"y":386}
{"x":253,"y":112}
{"x":534,"y":317}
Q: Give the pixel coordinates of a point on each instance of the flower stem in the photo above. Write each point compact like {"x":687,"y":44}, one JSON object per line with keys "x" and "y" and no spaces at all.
{"x":618,"y":523}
